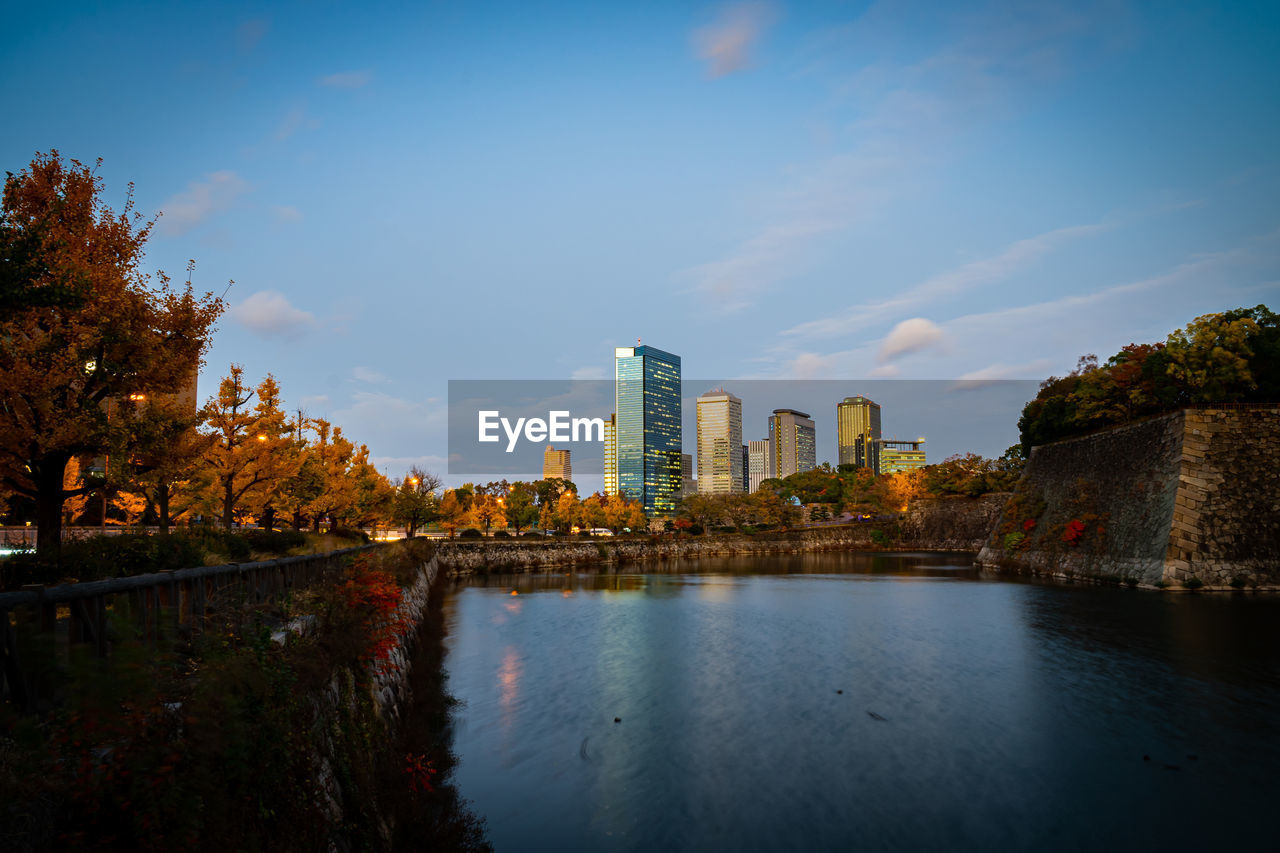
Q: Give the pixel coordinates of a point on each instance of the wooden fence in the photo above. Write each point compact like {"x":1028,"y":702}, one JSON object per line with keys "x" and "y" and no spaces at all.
{"x":161,"y":603}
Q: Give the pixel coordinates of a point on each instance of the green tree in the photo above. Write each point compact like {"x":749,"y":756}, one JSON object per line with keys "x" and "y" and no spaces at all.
{"x":415,"y":504}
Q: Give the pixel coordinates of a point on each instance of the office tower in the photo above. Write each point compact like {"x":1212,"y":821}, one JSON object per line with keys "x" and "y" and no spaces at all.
{"x":647,"y":397}
{"x":757,"y":463}
{"x":898,"y":456}
{"x":746,"y":470}
{"x":555,"y":463}
{"x":688,"y":485}
{"x":858,"y":433}
{"x":719,"y":443}
{"x":792,"y":443}
{"x":611,"y":456}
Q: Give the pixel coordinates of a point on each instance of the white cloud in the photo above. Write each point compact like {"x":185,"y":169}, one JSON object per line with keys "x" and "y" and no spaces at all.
{"x":287,"y":213}
{"x":199,"y":200}
{"x":593,"y":372}
{"x":727,"y":43}
{"x":910,"y":336}
{"x":270,"y":314}
{"x":347,"y":79}
{"x":314,"y":400}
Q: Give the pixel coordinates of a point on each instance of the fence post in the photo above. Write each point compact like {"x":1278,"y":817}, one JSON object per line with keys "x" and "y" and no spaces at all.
{"x":10,"y":670}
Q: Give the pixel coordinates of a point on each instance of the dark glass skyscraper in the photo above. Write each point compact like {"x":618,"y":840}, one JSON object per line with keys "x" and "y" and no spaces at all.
{"x":647,"y":394}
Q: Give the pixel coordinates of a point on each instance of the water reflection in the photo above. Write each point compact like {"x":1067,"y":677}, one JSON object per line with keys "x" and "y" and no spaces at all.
{"x":880,"y":701}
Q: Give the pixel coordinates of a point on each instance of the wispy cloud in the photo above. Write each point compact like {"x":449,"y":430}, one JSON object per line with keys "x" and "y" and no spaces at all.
{"x":733,"y":282}
{"x":590,"y":372}
{"x":286,"y":213}
{"x":997,"y":268}
{"x":901,"y":115}
{"x":347,"y":79}
{"x":368,"y":376}
{"x":250,"y":32}
{"x":294,"y":120}
{"x":199,"y":201}
{"x":270,"y":314}
{"x":727,"y":43}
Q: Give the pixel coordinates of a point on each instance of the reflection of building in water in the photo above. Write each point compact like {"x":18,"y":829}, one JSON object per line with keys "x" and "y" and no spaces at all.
{"x":898,"y":455}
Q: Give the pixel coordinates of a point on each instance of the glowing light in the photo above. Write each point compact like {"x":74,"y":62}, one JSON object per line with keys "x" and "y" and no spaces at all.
{"x":262,"y":438}
{"x":514,"y":592}
{"x":137,"y":398}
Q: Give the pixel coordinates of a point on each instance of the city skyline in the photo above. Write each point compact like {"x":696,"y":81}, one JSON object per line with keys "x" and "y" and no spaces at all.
{"x":1013,"y":185}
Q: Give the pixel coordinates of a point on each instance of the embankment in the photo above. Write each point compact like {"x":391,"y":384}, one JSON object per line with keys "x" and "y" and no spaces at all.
{"x":951,"y":524}
{"x":1191,"y":498}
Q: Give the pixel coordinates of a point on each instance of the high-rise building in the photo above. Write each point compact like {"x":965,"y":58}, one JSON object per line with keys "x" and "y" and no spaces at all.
{"x":688,"y":485}
{"x":647,"y":398}
{"x":792,"y":443}
{"x":858,"y":433}
{"x":719,"y":443}
{"x":611,"y":456}
{"x":746,"y":470}
{"x":898,"y":456}
{"x":757,"y":463}
{"x":555,"y":463}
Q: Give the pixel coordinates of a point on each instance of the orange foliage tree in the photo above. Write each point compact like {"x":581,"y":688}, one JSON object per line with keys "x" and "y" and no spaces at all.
{"x":81,"y":326}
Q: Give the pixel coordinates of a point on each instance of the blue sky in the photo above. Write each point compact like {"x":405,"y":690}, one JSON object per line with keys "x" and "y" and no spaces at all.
{"x":408,"y":193}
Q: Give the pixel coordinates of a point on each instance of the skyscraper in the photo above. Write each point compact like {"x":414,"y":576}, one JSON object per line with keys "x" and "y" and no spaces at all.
{"x":647,"y":398}
{"x":555,"y":463}
{"x":719,"y":443}
{"x":858,"y":433}
{"x":757,"y":463}
{"x":792,"y":443}
{"x":688,"y":485}
{"x":611,"y":455}
{"x":898,"y":456}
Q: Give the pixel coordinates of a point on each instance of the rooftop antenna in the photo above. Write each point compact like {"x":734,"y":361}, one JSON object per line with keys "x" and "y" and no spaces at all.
{"x":637,"y":342}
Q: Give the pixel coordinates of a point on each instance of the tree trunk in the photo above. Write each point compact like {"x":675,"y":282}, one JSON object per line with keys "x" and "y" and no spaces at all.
{"x":297,"y":520}
{"x":162,"y":505}
{"x":49,"y":473}
{"x":269,"y":517}
{"x":228,"y":502}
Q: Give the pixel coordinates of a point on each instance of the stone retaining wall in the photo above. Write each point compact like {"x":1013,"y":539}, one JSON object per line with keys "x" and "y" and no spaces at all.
{"x":1187,"y":498}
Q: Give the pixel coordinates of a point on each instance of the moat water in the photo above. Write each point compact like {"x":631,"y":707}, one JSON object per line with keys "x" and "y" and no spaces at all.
{"x":847,"y":701}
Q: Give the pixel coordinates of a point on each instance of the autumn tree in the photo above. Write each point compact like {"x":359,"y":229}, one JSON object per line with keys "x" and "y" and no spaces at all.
{"x":332,"y":455}
{"x":453,"y":511}
{"x":251,"y":448}
{"x":81,"y":326}
{"x":415,"y":503}
{"x":520,"y":508}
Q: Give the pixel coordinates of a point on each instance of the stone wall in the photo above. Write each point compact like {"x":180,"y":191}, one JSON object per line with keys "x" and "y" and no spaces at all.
{"x":959,"y":524}
{"x":1191,"y":494}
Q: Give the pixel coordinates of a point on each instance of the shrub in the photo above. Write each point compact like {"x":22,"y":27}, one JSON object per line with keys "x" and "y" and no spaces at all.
{"x":352,"y":533}
{"x":1013,"y":540}
{"x":470,"y":533}
{"x":99,"y":557}
{"x":501,"y":534}
{"x":1239,"y":581}
{"x":1193,"y":582}
{"x":695,"y":530}
{"x":274,"y":541}
{"x":1131,"y":582}
{"x":532,"y":534}
{"x":879,"y":537}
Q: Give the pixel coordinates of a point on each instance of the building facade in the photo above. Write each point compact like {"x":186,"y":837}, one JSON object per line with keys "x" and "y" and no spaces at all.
{"x":792,"y":443}
{"x":719,"y":443}
{"x":647,"y":431}
{"x":611,"y":455}
{"x":688,"y":485}
{"x":555,"y":463}
{"x":898,"y":456}
{"x":757,"y":463}
{"x":858,"y":433}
